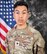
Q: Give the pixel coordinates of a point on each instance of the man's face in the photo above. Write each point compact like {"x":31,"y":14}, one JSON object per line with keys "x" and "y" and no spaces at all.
{"x":21,"y":15}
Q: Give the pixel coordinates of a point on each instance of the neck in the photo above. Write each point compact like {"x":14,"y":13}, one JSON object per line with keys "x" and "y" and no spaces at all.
{"x":21,"y":26}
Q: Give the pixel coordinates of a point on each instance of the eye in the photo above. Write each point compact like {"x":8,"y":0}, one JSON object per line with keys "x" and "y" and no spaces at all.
{"x":24,"y":12}
{"x":17,"y":12}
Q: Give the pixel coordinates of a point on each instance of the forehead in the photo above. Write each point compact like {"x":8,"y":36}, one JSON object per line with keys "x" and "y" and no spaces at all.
{"x":21,"y":8}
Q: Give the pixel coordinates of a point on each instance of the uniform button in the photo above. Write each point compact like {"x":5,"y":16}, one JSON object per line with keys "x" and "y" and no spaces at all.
{"x":31,"y":38}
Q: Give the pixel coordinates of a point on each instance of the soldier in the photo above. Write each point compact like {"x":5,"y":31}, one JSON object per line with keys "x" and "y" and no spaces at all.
{"x":22,"y":39}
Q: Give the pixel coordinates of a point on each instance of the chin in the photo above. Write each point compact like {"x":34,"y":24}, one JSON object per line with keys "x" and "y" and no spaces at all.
{"x":20,"y":24}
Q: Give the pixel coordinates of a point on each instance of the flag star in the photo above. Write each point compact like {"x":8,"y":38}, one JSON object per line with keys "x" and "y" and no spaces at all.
{"x":4,"y":16}
{"x":9,"y":5}
{"x":7,"y":20}
{"x":7,"y":16}
{"x":1,"y":1}
{"x":13,"y":19}
{"x":7,"y":9}
{"x":4,"y":1}
{"x":4,"y":12}
{"x":12,"y":1}
{"x":12,"y":9}
{"x":4,"y":9}
{"x":8,"y":1}
{"x":6,"y":5}
{"x":10,"y":23}
{"x":12,"y":5}
{"x":0,"y":5}
{"x":10,"y":13}
{"x":1,"y":9}
{"x":10,"y":16}
{"x":7,"y":13}
{"x":1,"y":13}
{"x":10,"y":19}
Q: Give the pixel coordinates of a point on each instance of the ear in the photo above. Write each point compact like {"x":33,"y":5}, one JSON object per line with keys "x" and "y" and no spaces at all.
{"x":29,"y":14}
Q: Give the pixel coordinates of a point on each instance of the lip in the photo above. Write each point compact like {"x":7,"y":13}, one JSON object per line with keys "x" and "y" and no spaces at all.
{"x":20,"y":20}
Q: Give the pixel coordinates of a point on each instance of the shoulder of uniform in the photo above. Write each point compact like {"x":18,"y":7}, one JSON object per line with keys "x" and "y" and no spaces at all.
{"x":36,"y":32}
{"x":9,"y":33}
{"x":33,"y":29}
{"x":37,"y":37}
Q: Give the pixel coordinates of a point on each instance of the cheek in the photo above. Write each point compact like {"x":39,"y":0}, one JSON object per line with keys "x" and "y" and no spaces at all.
{"x":26,"y":17}
{"x":15,"y":16}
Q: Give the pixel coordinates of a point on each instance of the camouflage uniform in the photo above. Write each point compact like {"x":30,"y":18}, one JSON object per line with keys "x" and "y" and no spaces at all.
{"x":21,"y":41}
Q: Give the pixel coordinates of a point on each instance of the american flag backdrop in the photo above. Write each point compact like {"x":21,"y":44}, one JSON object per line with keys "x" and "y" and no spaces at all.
{"x":6,"y":21}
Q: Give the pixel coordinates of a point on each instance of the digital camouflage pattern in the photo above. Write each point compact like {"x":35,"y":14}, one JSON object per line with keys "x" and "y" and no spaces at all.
{"x":21,"y":41}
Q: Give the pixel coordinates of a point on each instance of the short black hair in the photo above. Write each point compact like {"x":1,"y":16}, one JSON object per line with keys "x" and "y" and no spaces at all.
{"x":21,"y":3}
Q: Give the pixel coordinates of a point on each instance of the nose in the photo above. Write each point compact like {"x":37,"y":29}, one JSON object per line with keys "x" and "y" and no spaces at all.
{"x":21,"y":15}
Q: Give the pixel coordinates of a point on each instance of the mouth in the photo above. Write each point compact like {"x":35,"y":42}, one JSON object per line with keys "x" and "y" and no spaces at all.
{"x":20,"y":21}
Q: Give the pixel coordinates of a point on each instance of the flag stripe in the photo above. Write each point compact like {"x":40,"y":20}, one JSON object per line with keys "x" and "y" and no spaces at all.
{"x":4,"y":24}
{"x":2,"y":36}
{"x":6,"y":21}
{"x":3,"y":51}
{"x":3,"y":47}
{"x":3,"y":32}
{"x":3,"y":42}
{"x":3,"y":28}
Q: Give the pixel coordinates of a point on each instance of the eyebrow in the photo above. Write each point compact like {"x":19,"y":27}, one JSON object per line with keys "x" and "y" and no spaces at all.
{"x":18,"y":10}
{"x":24,"y":10}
